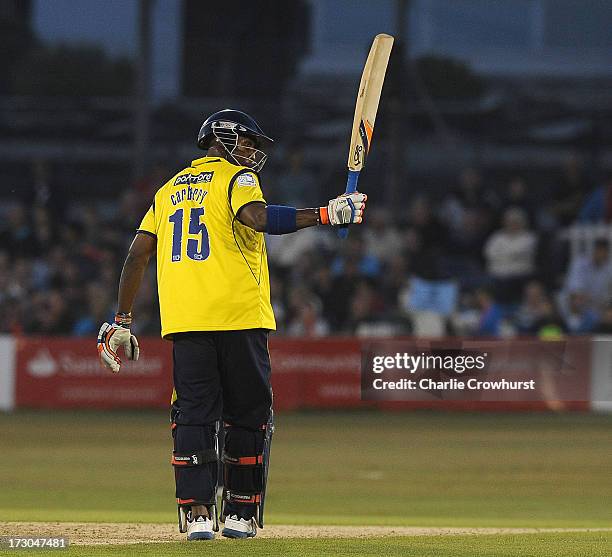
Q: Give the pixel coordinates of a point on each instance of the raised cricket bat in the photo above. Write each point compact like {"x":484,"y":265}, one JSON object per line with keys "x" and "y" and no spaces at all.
{"x":366,"y":107}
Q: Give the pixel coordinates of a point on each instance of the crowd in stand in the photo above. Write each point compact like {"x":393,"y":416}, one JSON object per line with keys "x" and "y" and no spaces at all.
{"x":475,"y":259}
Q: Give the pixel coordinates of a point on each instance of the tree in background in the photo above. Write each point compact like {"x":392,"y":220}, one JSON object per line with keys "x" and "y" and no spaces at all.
{"x":16,"y":38}
{"x":447,"y":78}
{"x":73,"y":71}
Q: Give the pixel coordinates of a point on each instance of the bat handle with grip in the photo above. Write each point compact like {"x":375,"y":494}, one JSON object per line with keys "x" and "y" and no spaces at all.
{"x":351,"y":187}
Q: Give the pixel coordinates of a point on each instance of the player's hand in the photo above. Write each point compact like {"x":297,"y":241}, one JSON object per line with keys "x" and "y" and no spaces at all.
{"x":110,"y":339}
{"x":347,"y":208}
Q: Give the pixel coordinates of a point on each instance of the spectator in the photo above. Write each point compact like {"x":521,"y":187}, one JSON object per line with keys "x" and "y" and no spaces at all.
{"x":393,"y":281}
{"x":491,"y":314}
{"x":598,"y":205}
{"x":342,"y":293}
{"x":18,"y":278}
{"x":605,"y":321}
{"x":322,"y":283}
{"x":465,"y":319}
{"x":592,"y":275}
{"x":510,"y":254}
{"x":368,"y":264}
{"x":381,"y":238}
{"x":297,"y":184}
{"x":469,"y":204}
{"x":99,"y":309}
{"x":366,"y":309}
{"x":306,"y":320}
{"x":470,"y":193}
{"x":536,"y":310}
{"x":578,"y":317}
{"x":430,"y":296}
{"x":52,"y":251}
{"x":427,"y":243}
{"x":569,"y":192}
{"x":17,"y":234}
{"x":286,"y":251}
{"x":517,"y":195}
{"x":464,"y":260}
{"x":49,"y":314}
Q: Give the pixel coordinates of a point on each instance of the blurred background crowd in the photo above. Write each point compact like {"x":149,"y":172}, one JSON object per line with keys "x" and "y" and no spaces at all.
{"x":484,"y":257}
{"x":489,"y":182}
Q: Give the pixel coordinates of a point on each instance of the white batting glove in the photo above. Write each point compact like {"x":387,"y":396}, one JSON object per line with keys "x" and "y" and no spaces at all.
{"x":110,"y":339}
{"x":347,"y":208}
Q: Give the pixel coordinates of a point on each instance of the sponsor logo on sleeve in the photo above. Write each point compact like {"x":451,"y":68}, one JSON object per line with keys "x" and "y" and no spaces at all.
{"x":201,"y":178}
{"x":247,"y":179}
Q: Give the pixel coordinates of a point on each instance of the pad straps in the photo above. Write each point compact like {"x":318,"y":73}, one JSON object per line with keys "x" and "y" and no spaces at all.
{"x":256,"y":460}
{"x":194,"y":459}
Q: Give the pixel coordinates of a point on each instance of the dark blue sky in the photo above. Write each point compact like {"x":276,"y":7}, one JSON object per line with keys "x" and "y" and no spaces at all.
{"x":113,"y":24}
{"x":341,"y":33}
{"x":497,"y":36}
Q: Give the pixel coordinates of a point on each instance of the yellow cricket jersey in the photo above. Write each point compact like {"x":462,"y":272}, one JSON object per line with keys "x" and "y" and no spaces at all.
{"x":212,"y":271}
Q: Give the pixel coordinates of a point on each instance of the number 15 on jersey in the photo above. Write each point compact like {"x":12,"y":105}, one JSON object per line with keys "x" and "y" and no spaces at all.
{"x":198,"y":246}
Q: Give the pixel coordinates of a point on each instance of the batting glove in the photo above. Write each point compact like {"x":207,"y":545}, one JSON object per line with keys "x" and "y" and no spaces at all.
{"x":347,"y":208}
{"x":111,"y":338}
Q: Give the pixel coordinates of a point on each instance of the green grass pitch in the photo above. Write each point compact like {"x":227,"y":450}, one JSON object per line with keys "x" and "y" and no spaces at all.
{"x":342,"y":468}
{"x":528,"y":545}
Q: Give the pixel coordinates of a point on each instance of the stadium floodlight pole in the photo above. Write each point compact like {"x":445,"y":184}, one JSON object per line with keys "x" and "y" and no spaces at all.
{"x":142,"y":90}
{"x":397,"y":124}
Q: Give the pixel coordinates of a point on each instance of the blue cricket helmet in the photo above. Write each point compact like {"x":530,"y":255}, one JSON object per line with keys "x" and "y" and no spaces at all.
{"x":231,"y":120}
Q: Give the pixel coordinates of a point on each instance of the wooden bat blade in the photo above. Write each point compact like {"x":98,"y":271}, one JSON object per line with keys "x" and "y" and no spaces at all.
{"x":366,"y":107}
{"x":368,"y":98}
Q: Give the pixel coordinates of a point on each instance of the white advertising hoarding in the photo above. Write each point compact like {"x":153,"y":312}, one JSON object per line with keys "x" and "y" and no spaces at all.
{"x":7,"y":373}
{"x":601,"y":374}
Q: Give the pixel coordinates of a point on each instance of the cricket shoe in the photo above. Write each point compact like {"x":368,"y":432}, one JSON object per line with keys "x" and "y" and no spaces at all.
{"x":236,"y":527}
{"x":199,"y":528}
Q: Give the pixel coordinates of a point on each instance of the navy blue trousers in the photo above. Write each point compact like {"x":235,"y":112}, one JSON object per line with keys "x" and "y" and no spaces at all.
{"x":220,"y":375}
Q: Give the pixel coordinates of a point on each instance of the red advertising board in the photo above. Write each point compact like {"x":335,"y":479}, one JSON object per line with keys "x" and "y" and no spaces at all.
{"x":66,"y":373}
{"x":316,"y":373}
{"x":306,"y":373}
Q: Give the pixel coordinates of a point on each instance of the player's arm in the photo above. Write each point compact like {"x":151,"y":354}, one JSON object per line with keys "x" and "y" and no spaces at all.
{"x":255,"y":216}
{"x":280,"y":219}
{"x":112,"y":337}
{"x":141,"y":250}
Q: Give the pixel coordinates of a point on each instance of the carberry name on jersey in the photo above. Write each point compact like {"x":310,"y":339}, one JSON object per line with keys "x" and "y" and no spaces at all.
{"x":196,"y":195}
{"x":201,"y":178}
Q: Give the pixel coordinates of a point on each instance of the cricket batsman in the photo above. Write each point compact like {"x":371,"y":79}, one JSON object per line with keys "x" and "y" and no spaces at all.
{"x":206,"y":226}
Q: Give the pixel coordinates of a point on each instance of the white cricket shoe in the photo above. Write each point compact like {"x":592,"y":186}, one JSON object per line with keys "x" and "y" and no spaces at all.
{"x":200,"y":528}
{"x":236,"y":527}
